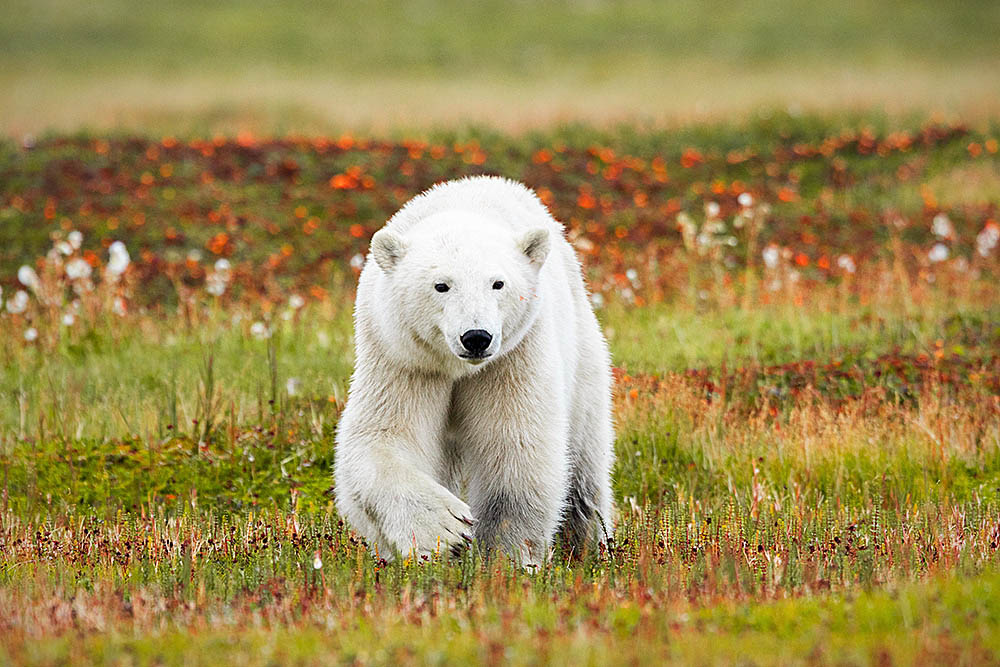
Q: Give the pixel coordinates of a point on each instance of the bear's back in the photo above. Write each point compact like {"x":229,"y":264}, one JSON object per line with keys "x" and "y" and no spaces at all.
{"x":507,"y":201}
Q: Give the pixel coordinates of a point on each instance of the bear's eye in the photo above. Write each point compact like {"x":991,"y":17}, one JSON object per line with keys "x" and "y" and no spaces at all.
{"x":498,"y":284}
{"x":442,"y":287}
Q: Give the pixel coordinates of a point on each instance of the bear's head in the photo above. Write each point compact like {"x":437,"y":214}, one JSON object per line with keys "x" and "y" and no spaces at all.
{"x":461,"y":284}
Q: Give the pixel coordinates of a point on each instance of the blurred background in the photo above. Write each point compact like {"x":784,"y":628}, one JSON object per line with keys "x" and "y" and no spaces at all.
{"x":309,"y":66}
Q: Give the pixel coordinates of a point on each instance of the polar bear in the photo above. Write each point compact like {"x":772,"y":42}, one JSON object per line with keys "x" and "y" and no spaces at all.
{"x":480,"y":372}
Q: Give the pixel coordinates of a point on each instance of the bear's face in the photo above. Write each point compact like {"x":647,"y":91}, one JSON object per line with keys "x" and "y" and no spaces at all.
{"x":466,"y":291}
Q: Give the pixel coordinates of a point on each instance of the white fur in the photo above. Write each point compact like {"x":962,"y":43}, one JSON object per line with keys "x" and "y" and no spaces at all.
{"x":525,"y":434}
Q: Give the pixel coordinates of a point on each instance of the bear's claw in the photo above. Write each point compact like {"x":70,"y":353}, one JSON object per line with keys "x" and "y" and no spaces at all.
{"x":468,"y":521}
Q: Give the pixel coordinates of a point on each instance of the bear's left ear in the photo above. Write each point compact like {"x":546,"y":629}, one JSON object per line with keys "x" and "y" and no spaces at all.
{"x":535,"y":246}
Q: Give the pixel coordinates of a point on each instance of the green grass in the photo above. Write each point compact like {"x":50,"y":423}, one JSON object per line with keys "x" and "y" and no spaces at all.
{"x":956,"y":621}
{"x":448,"y":39}
{"x":323,"y":66}
{"x":686,"y":338}
{"x":101,"y":384}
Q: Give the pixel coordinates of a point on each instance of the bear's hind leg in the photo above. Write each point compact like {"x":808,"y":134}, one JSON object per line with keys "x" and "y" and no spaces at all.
{"x":589,"y":516}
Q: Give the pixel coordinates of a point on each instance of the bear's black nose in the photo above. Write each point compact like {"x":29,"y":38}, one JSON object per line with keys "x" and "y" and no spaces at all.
{"x":476,"y":340}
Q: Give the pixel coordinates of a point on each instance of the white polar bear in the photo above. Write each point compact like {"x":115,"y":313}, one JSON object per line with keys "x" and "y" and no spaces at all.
{"x":480,"y":371}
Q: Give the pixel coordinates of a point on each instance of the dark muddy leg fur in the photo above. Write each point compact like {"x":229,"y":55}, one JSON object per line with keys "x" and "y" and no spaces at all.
{"x":496,"y":517}
{"x":582,"y":524}
{"x":504,"y":522}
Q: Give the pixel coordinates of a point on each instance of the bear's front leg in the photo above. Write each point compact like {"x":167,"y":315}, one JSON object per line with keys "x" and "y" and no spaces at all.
{"x":519,"y":516}
{"x":514,"y":440}
{"x":388,"y":461}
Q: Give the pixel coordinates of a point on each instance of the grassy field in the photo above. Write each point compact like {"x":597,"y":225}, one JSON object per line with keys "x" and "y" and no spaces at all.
{"x":803,"y":315}
{"x":318,"y":67}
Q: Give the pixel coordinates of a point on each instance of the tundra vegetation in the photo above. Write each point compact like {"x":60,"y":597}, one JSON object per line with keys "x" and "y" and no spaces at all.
{"x":803,"y":315}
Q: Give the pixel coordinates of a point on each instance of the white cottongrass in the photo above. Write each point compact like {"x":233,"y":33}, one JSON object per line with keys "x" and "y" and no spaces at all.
{"x":358,"y":261}
{"x":296,"y":301}
{"x":119,"y":307}
{"x":745,"y":199}
{"x":119,"y":258}
{"x":712,"y":209}
{"x":771,"y":255}
{"x":938,"y":253}
{"x":987,"y":239}
{"x":215,"y":284}
{"x":317,"y":562}
{"x":292,"y":386}
{"x":846,"y":263}
{"x":68,"y":319}
{"x":31,"y":334}
{"x":260,"y":331}
{"x":581,"y":243}
{"x":217,"y":281}
{"x":64,"y":248}
{"x":77,"y":269}
{"x":942,"y":227}
{"x":75,"y":239}
{"x":18,"y":303}
{"x":27,"y":277}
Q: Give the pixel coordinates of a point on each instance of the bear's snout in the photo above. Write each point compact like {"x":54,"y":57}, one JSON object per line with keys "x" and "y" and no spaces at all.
{"x":476,"y":341}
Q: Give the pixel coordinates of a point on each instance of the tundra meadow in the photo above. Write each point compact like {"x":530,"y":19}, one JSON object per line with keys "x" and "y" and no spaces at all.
{"x":799,"y":280}
{"x":803,"y":317}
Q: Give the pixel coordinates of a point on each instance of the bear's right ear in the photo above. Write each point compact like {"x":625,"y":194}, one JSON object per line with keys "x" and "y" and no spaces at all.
{"x":535,"y":245}
{"x":387,"y":249}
